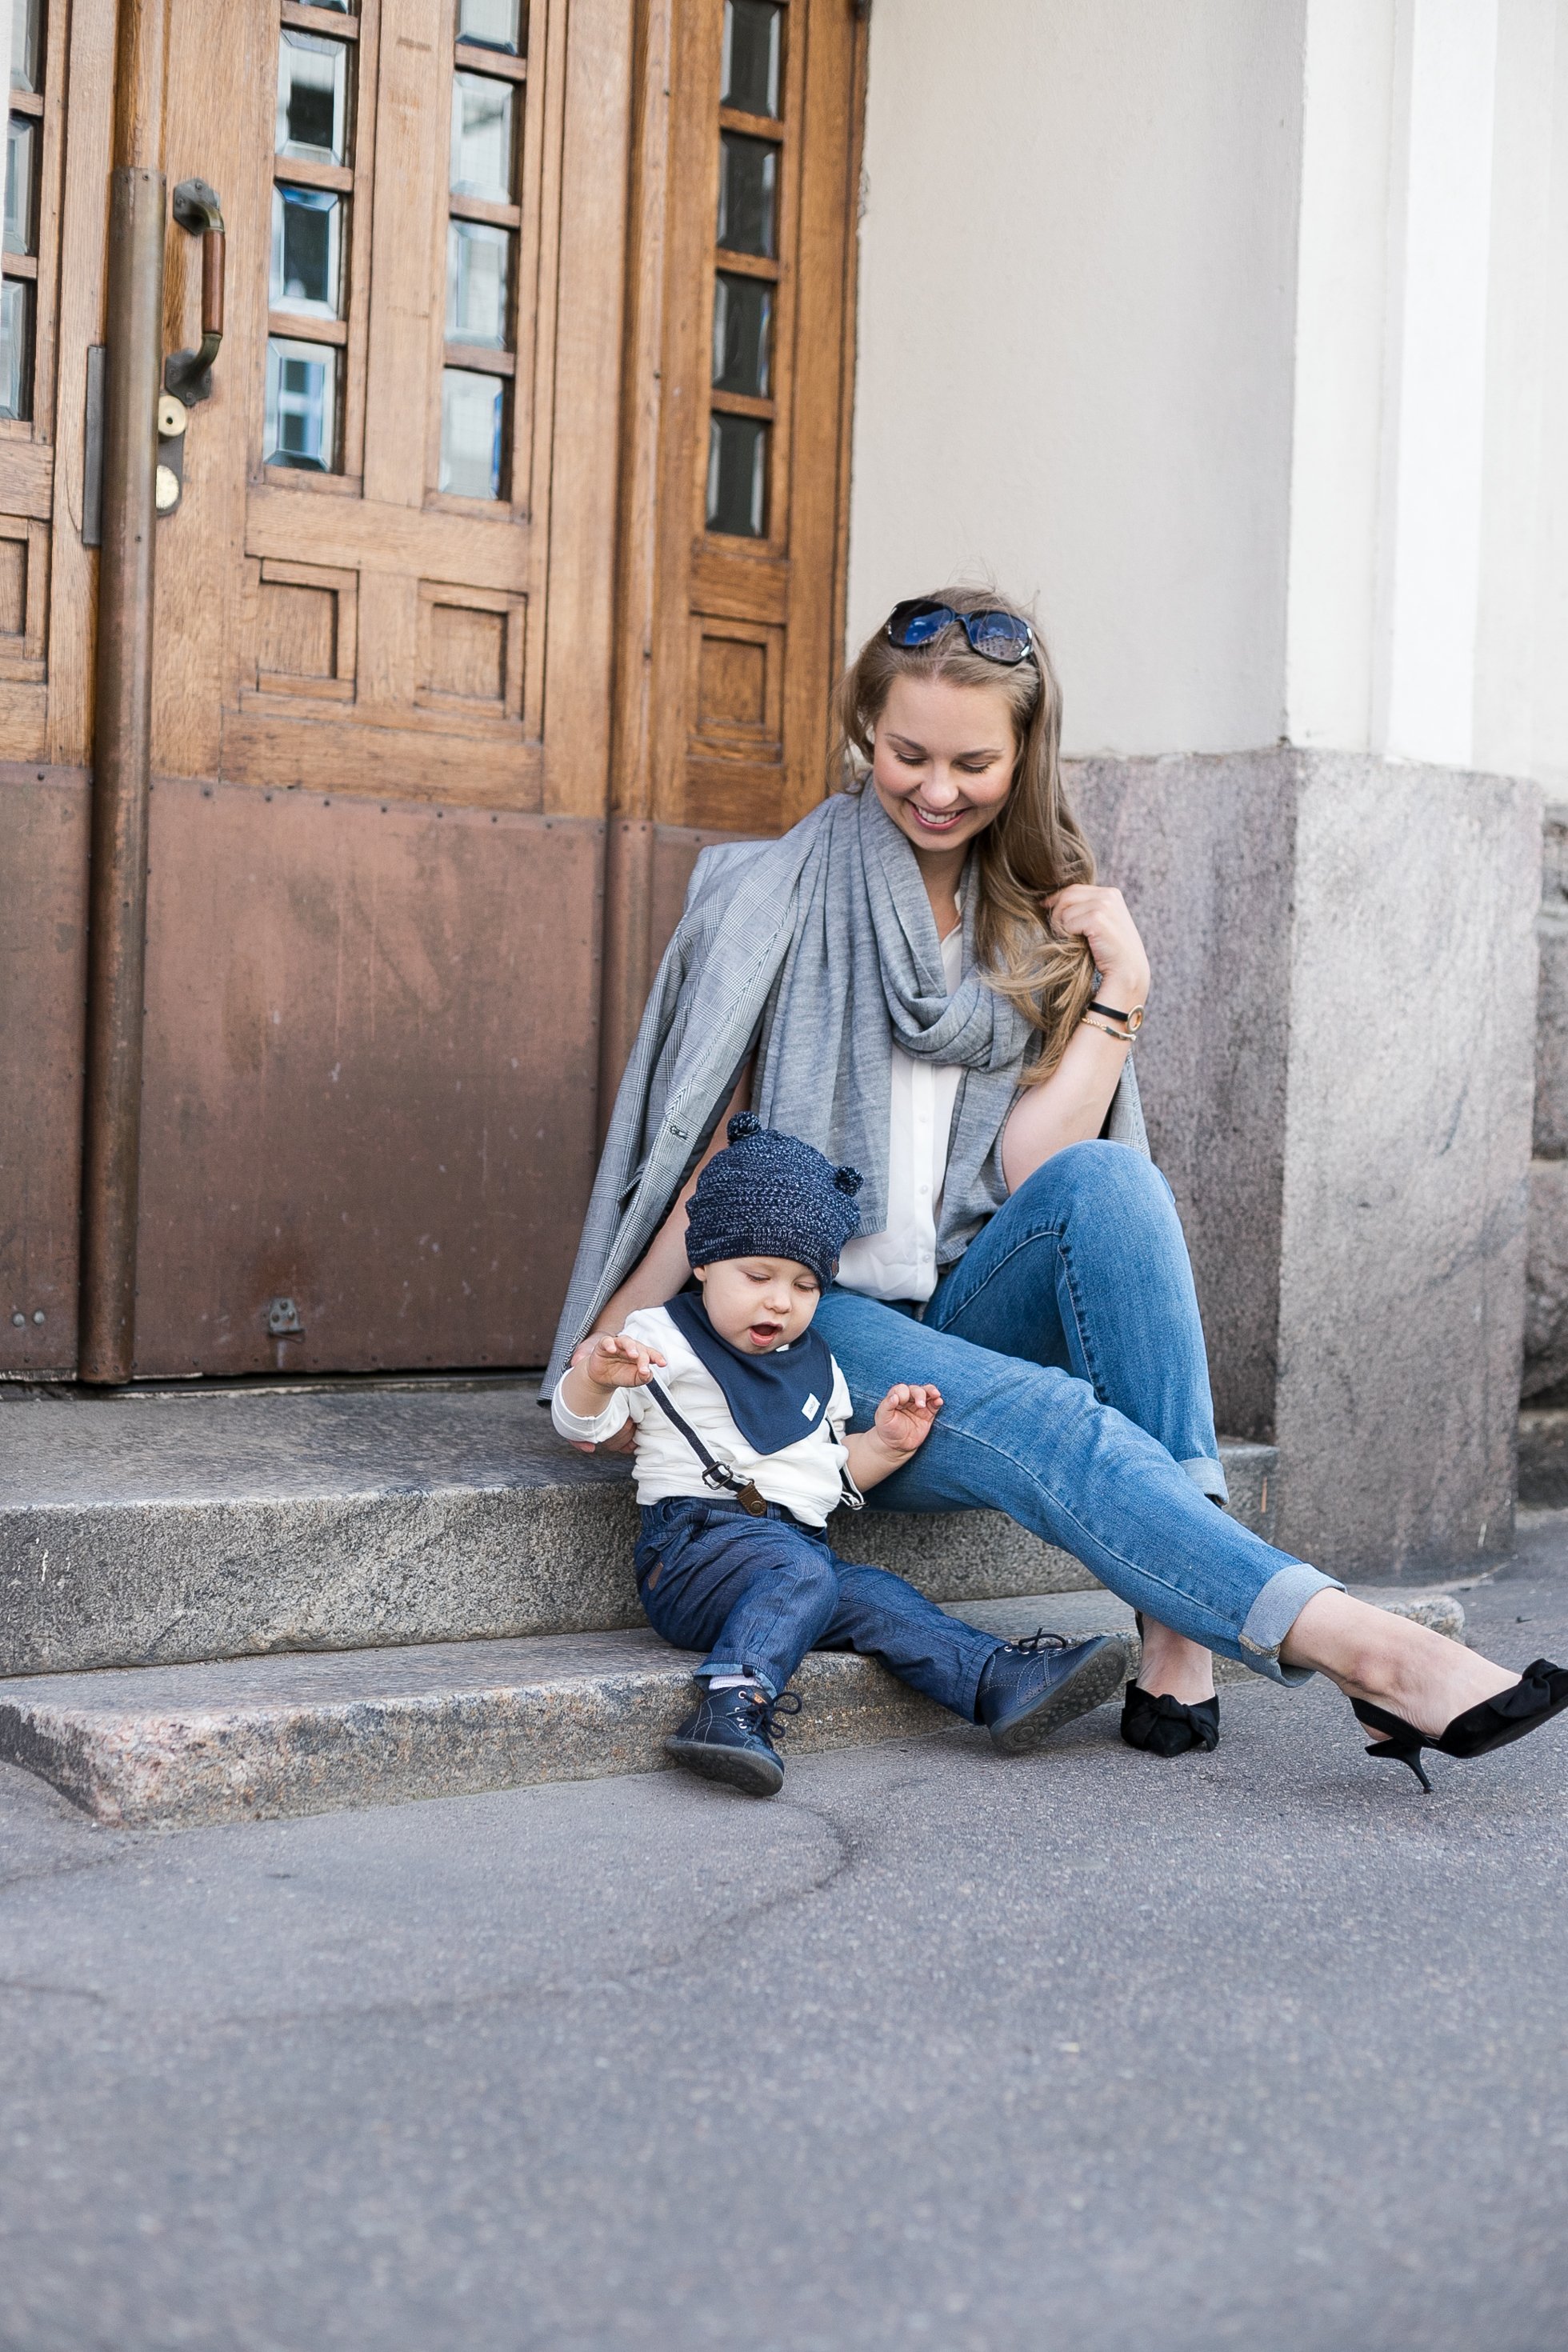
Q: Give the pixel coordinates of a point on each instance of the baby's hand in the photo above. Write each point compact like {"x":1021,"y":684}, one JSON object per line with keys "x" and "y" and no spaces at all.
{"x":904,"y":1417}
{"x":619,"y":1363}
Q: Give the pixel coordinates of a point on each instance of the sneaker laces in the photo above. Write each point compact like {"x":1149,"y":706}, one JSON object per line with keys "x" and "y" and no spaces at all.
{"x":770,"y":1710}
{"x":1032,"y":1643}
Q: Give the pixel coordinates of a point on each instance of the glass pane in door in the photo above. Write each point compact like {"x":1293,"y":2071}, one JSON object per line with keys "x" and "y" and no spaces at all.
{"x":742,"y":318}
{"x":307,"y":251}
{"x":752,"y":46}
{"x":491,"y":24}
{"x":302,"y":405}
{"x":473,"y":416}
{"x":312,"y":97}
{"x":738,"y":476}
{"x":478,"y":260}
{"x":481,"y":138}
{"x":748,"y":196}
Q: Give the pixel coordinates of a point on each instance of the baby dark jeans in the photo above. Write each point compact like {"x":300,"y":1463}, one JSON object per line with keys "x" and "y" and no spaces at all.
{"x":758,"y":1593}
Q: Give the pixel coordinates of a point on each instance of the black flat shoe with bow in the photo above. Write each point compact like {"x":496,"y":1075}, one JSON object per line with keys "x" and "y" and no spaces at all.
{"x":1163,"y":1726}
{"x":1168,"y":1727}
{"x":1541,"y":1692}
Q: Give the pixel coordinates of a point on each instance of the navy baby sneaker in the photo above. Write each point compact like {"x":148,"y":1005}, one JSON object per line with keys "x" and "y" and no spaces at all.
{"x":1031,"y":1689}
{"x":729,"y":1737}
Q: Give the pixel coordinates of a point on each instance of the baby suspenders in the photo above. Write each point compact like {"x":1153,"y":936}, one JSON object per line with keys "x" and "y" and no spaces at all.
{"x":721,"y":1477}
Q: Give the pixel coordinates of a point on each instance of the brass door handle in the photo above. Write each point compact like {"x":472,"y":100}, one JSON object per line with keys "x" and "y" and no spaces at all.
{"x":189,"y":374}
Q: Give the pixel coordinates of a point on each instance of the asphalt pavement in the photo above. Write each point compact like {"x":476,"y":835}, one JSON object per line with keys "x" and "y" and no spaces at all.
{"x":1091,"y":2050}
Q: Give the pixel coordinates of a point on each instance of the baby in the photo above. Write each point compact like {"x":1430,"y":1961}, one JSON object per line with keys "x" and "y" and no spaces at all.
{"x":744,"y":1449}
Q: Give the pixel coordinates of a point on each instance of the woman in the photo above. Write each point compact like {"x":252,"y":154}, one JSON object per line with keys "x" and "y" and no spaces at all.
{"x":923,"y":979}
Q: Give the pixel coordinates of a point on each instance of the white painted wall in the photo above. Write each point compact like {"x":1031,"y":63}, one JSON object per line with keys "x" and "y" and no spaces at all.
{"x":1076,"y":310}
{"x":1237,"y":335}
{"x":1521,"y":654}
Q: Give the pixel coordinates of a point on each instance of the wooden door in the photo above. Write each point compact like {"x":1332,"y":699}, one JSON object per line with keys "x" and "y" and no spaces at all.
{"x":452,"y":577}
{"x":380,"y":733}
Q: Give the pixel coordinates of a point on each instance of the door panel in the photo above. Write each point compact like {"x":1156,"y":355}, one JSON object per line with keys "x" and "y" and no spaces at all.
{"x":372,"y":931}
{"x":365,"y":1035}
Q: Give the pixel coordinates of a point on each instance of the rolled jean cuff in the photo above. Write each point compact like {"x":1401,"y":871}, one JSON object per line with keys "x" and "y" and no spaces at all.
{"x":1208,"y":1477}
{"x":1273,"y":1613}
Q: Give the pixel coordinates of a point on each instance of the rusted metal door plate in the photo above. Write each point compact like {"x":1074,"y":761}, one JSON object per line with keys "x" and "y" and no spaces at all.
{"x":369,"y":1081}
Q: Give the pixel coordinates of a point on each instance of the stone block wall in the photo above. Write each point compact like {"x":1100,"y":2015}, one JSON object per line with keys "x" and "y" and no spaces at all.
{"x":1337,"y":1075}
{"x":1546,"y":1308}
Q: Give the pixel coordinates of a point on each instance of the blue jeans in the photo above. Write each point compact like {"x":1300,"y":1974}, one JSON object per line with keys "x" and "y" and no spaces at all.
{"x":1068,"y":1351}
{"x":757,"y":1594}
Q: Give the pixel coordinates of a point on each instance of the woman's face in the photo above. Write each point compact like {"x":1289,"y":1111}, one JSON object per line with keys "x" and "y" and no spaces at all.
{"x":942,"y":758}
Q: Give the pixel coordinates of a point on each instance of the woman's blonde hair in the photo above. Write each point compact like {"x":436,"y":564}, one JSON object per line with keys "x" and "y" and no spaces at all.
{"x":1033,"y":846}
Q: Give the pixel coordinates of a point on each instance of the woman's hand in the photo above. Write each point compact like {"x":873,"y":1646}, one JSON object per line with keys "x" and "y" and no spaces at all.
{"x":1099,"y":917}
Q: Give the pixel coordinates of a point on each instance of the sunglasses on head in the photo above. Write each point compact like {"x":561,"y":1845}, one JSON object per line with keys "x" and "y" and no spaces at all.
{"x":994,"y":636}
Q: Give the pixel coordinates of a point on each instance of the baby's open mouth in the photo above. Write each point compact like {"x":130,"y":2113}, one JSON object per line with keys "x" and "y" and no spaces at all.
{"x":763,"y":1335}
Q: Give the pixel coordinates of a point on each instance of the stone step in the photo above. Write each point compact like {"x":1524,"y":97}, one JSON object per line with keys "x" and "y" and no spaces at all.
{"x":254,"y":1738}
{"x":174,"y":1524}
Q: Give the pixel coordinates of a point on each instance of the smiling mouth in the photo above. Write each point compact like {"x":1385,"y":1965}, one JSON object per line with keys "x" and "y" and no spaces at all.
{"x":929,"y":820}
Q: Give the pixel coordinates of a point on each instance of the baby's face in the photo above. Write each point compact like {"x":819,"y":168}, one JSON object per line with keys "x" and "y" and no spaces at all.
{"x":759,"y":1304}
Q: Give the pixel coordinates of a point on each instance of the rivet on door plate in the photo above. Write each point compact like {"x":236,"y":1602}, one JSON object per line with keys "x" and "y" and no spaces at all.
{"x":283,"y":1319}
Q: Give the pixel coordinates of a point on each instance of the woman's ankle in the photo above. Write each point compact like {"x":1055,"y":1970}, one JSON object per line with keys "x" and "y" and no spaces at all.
{"x":1423,"y":1677}
{"x":1173,"y":1667}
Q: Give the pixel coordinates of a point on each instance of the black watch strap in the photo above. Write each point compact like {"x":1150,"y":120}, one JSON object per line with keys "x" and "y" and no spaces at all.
{"x":1134,"y":1020}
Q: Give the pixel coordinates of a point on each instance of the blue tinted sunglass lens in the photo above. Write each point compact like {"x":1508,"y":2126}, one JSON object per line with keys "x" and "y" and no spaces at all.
{"x":918,"y":628}
{"x":999,"y":636}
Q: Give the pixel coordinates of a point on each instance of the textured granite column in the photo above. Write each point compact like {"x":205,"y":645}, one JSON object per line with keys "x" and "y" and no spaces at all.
{"x":1337,"y":1071}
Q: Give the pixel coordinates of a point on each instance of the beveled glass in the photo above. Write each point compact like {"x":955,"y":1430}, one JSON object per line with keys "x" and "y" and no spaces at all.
{"x":473,"y":420}
{"x":481,"y":138}
{"x":27,"y":44}
{"x":753,"y":51}
{"x":748,"y":196}
{"x":303,"y":404}
{"x":21,"y":180}
{"x":16,"y":348}
{"x":478,"y":272}
{"x":308,"y":251}
{"x":312,"y":97}
{"x":492,"y":24}
{"x":742,"y":330}
{"x":738,"y":476}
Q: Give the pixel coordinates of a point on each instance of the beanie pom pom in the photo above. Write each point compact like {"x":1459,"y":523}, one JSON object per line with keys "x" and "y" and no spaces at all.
{"x":744,"y":1123}
{"x":848,"y":1181}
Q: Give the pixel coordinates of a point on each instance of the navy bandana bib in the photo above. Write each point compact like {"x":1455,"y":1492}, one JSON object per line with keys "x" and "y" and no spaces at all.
{"x":775,"y":1401}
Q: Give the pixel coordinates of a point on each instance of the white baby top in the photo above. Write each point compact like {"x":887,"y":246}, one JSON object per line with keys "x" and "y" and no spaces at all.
{"x":805,"y":1477}
{"x":901,"y":1261}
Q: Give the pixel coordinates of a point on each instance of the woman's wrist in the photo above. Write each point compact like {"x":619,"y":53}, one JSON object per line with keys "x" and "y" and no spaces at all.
{"x":1127,"y":988}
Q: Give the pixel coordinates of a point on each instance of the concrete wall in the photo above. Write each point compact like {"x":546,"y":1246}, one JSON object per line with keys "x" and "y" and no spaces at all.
{"x":1078,"y":287}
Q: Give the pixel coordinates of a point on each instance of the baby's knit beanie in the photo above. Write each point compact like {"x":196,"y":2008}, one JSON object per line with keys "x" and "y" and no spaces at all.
{"x":771,"y":1195}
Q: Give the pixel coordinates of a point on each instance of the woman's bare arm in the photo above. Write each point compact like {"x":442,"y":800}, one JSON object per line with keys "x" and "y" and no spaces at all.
{"x":1070,"y":1107}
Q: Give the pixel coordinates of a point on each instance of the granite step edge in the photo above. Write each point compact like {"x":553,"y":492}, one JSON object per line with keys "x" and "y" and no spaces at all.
{"x":149,"y":1585}
{"x":261,"y":1738}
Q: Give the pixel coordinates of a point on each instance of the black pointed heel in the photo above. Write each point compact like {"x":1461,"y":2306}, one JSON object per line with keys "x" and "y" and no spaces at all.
{"x":1163,"y":1726}
{"x":1541,"y":1692}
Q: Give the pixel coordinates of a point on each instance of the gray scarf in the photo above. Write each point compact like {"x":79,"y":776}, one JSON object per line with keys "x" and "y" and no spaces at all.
{"x":821,"y":951}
